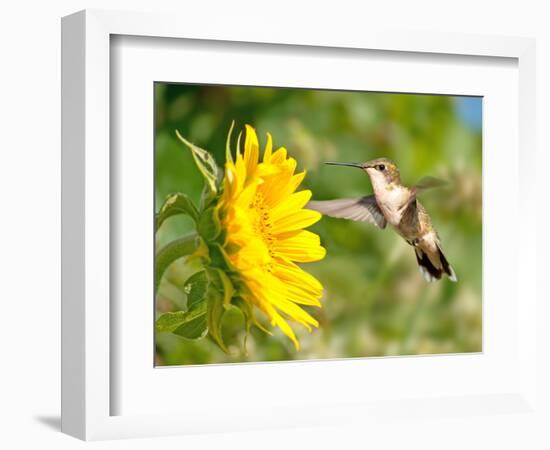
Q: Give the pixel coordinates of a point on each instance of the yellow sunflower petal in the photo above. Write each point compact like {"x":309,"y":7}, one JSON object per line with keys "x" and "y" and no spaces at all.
{"x":279,"y":155}
{"x":293,"y":203}
{"x":238,"y":173}
{"x":245,"y":197}
{"x":268,"y":148}
{"x":292,"y":274}
{"x":285,"y":328}
{"x":297,"y":295}
{"x":283,"y":291}
{"x":263,"y":171}
{"x":303,"y":247}
{"x":252,"y":254}
{"x":251,"y":150}
{"x":279,"y":193}
{"x":292,"y":309}
{"x":276,"y":319}
{"x":294,"y":221}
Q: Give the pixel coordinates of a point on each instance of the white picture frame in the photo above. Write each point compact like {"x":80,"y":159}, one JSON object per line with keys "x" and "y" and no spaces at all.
{"x":88,"y":328}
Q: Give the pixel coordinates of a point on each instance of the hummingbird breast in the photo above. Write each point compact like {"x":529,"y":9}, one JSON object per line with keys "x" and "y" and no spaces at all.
{"x":391,"y":201}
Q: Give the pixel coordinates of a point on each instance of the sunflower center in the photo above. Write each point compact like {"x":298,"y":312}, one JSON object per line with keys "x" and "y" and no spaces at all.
{"x":263,"y":224}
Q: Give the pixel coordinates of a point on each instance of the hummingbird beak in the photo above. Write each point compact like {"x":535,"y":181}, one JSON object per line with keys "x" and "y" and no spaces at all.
{"x":348,"y":164}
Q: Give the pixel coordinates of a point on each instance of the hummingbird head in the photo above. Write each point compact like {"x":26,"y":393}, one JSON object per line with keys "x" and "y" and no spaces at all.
{"x":381,"y":171}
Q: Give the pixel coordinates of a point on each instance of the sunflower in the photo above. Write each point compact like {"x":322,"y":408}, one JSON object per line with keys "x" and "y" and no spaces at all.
{"x":263,"y":220}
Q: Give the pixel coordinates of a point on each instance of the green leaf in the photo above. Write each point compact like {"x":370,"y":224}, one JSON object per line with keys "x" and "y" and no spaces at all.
{"x":170,"y":253}
{"x":184,"y":323}
{"x":196,"y":287}
{"x":209,"y":226}
{"x":193,"y":329}
{"x":170,"y":321}
{"x":176,"y":204}
{"x":205,"y":162}
{"x":215,"y":314}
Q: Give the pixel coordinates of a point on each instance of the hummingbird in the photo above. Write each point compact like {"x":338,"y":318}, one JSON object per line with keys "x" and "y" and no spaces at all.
{"x":396,"y":205}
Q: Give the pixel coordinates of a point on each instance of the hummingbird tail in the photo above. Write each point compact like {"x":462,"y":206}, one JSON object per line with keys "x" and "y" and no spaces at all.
{"x":431,"y":271}
{"x":446,"y":266}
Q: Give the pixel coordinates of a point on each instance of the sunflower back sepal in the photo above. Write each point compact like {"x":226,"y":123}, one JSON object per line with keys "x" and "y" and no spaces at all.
{"x":224,"y":284}
{"x":208,"y":198}
{"x":215,"y":313}
{"x":216,"y":257}
{"x":250,"y":318}
{"x":205,"y":163}
{"x":209,"y":226}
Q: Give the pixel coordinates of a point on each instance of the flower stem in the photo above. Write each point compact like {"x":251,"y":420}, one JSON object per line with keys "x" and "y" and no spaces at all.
{"x":170,"y":252}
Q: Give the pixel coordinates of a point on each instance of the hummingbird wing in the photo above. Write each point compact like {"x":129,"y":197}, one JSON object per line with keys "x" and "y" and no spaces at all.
{"x":364,"y":209}
{"x":429,"y":183}
{"x":424,"y":184}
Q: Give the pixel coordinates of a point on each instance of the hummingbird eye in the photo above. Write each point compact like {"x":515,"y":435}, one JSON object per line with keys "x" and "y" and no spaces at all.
{"x":381,"y":167}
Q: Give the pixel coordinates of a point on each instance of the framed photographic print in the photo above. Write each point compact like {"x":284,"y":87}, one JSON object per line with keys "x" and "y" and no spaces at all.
{"x":362,"y":296}
{"x":286,"y":227}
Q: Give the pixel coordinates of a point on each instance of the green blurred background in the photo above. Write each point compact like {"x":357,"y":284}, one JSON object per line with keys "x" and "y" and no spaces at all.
{"x":376,"y":302}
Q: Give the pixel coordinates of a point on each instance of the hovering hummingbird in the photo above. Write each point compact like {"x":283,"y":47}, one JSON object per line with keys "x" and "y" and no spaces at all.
{"x":397,"y":205}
